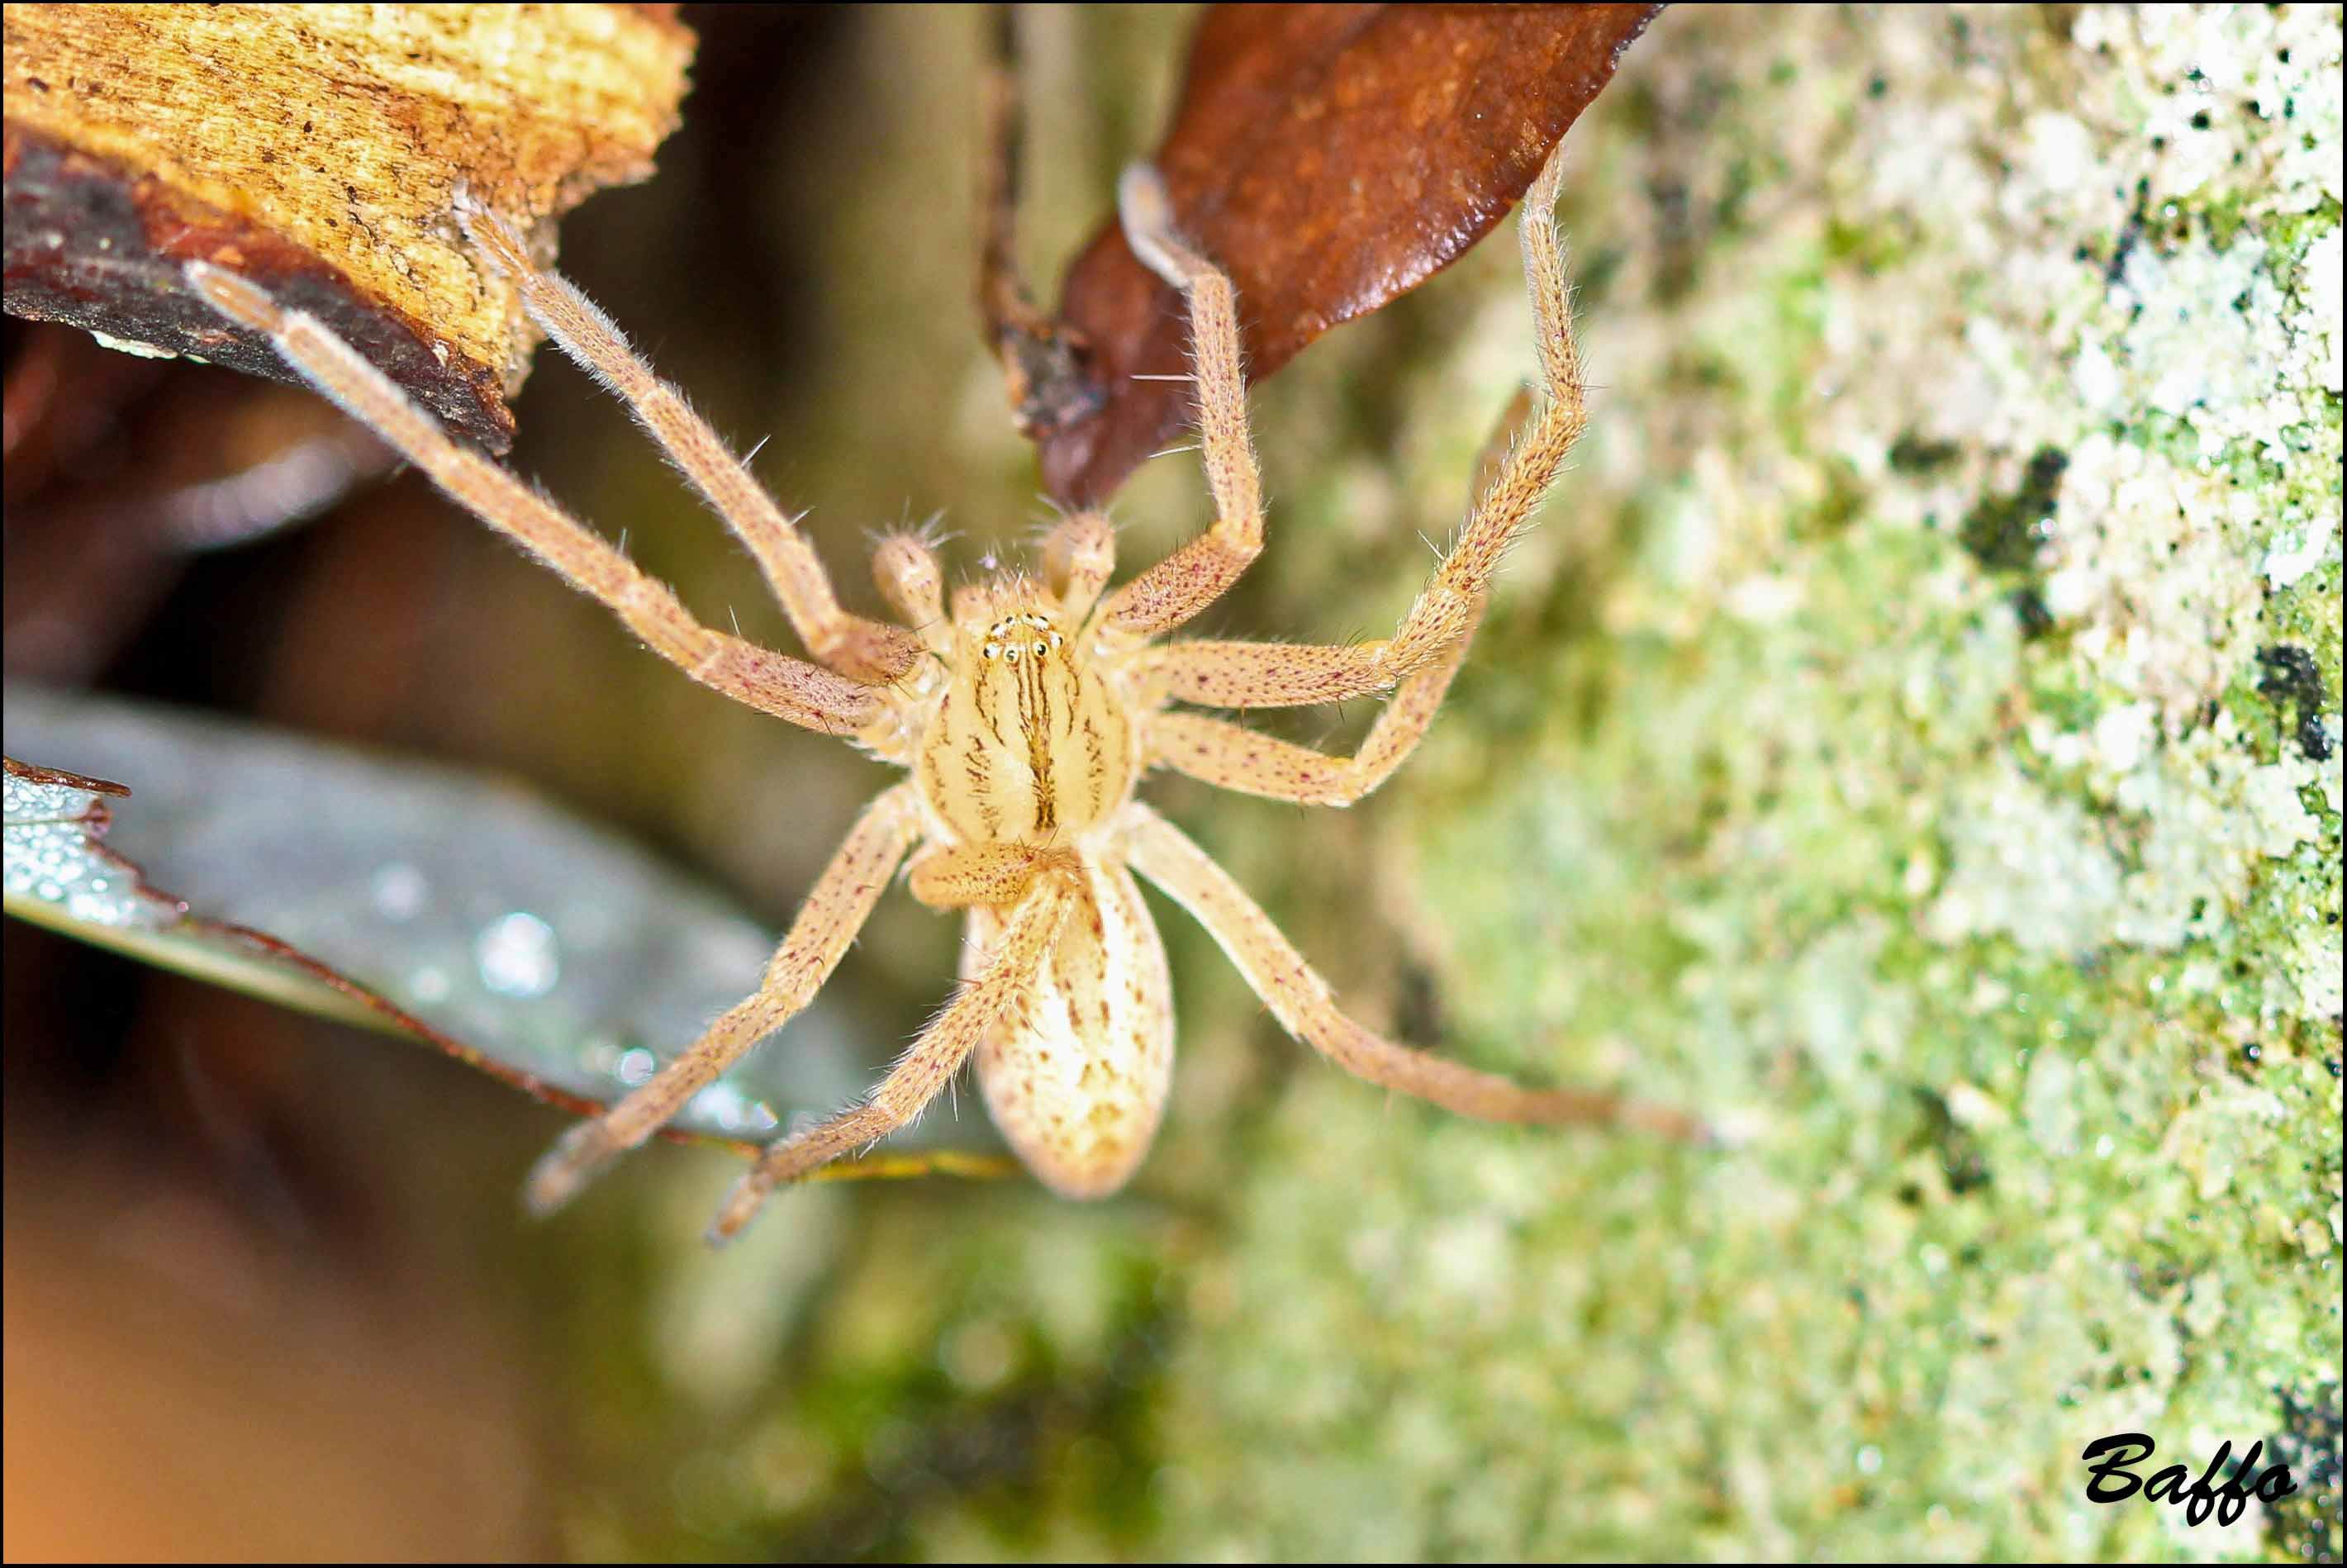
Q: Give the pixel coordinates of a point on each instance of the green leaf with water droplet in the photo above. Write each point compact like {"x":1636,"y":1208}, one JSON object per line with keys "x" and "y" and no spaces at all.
{"x":406,"y":897}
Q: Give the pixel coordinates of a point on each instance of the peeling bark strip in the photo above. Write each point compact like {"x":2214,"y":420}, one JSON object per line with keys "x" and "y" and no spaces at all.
{"x":313,"y":148}
{"x":1330,"y":158}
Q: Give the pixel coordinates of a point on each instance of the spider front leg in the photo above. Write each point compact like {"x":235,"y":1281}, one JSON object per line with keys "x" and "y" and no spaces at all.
{"x":835,"y":910}
{"x":1271,"y":674}
{"x":1233,"y":757}
{"x":773,"y":682}
{"x":1178,"y":587}
{"x":1302,"y":1002}
{"x":1529,"y":454}
{"x":1240,"y":674}
{"x":867,"y":649}
{"x":924,"y":1070}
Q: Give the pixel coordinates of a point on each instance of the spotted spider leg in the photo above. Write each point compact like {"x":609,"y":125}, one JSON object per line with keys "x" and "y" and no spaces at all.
{"x":1177,"y":588}
{"x":1440,"y":626}
{"x":836,"y":909}
{"x":1233,"y":757}
{"x":1247,"y":762}
{"x":1301,"y":1000}
{"x":791,"y":689}
{"x":1030,"y":929}
{"x":867,"y":649}
{"x":1221,"y":674}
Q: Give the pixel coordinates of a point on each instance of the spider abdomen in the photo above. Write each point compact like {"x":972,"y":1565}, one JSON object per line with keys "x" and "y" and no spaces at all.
{"x":1031,"y":745}
{"x":1076,"y":1071}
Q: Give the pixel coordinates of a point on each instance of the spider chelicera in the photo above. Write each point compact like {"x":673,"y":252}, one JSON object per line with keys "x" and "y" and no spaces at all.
{"x":1026,"y":715}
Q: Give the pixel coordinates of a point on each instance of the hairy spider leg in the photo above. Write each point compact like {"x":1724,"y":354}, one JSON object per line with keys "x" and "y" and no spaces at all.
{"x":1263,"y":675}
{"x":835,"y":910}
{"x":867,"y":650}
{"x":921,"y":1075}
{"x":1301,"y":1000}
{"x":1184,"y":583}
{"x":791,"y":689}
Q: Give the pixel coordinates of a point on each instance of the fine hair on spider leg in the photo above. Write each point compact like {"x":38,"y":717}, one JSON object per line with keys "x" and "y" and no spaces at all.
{"x":1027,"y":708}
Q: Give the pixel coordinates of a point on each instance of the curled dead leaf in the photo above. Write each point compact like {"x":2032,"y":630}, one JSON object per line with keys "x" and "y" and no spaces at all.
{"x":1330,"y":158}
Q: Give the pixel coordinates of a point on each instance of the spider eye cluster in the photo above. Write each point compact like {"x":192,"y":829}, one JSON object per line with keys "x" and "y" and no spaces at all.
{"x":1015,"y":636}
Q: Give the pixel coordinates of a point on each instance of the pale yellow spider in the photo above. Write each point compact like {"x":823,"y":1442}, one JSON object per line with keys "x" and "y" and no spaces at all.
{"x":1027,"y":717}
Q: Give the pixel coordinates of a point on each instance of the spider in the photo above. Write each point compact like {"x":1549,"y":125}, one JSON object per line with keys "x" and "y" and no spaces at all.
{"x":1026,"y":717}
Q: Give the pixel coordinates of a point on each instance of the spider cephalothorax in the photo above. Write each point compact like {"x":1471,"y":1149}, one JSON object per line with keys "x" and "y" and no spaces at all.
{"x":1030,"y":741}
{"x":1026,"y":717}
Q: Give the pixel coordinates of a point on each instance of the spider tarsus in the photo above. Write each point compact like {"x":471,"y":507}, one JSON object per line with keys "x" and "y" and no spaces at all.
{"x":742,"y":1205}
{"x":239,"y":298}
{"x":574,"y":1160}
{"x":495,"y":240}
{"x":467,"y":206}
{"x":1680,"y":1126}
{"x":1146,"y":212}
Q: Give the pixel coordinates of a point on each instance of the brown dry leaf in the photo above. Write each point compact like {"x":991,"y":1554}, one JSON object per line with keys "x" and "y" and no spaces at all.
{"x":1331,"y":158}
{"x":313,"y":150}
